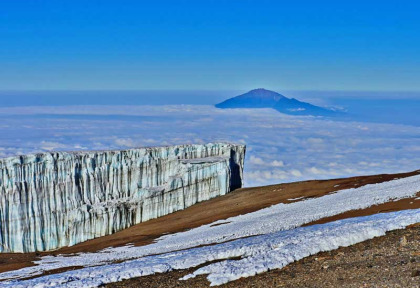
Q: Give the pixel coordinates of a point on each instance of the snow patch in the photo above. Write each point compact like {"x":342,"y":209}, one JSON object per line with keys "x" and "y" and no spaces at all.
{"x":270,"y":220}
{"x":258,"y":254}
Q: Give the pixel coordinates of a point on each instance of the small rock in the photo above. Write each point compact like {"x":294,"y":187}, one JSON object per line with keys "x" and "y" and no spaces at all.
{"x":415,"y":273}
{"x":325,"y":267}
{"x":403,"y":241}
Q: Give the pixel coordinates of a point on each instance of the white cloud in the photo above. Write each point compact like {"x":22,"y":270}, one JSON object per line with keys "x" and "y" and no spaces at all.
{"x":256,"y":160}
{"x":313,"y":140}
{"x":277,"y":163}
{"x":80,"y":147}
{"x":125,"y":142}
{"x":296,"y":173}
{"x":49,"y":146}
{"x":280,"y":148}
{"x":316,"y":171}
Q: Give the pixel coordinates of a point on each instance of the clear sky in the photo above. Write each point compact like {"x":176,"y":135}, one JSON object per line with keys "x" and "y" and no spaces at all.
{"x":325,"y":45}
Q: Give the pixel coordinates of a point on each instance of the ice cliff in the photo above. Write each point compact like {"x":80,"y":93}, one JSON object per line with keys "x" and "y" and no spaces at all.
{"x":57,"y":199}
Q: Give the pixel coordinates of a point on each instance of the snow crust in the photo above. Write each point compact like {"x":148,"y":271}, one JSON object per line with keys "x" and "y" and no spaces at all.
{"x":257,"y":254}
{"x":270,"y":220}
{"x":51,"y":200}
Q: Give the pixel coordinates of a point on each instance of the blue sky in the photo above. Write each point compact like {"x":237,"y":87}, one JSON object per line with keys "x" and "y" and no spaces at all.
{"x":216,"y":45}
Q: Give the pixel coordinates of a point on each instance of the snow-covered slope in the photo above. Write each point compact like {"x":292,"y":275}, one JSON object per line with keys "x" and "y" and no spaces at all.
{"x":269,"y":221}
{"x":257,"y":254}
{"x":57,"y":199}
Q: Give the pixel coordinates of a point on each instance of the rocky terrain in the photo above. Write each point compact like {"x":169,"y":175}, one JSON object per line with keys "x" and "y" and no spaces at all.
{"x":388,"y":261}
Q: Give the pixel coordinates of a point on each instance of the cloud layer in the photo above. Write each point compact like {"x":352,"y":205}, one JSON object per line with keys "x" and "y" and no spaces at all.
{"x":281,"y":148}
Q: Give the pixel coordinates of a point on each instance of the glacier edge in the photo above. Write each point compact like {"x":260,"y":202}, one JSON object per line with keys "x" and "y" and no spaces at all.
{"x":57,"y":199}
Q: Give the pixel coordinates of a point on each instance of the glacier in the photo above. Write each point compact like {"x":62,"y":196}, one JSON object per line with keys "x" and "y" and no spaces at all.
{"x":57,"y":199}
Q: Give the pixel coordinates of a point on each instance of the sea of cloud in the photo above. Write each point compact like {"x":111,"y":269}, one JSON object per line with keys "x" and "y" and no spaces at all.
{"x":280,"y":148}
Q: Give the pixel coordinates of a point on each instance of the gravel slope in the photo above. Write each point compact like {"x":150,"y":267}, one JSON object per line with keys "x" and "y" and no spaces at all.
{"x":389,"y":261}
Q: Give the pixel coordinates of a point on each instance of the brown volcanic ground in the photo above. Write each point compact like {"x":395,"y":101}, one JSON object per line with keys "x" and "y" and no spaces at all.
{"x":389,"y":261}
{"x":238,"y":202}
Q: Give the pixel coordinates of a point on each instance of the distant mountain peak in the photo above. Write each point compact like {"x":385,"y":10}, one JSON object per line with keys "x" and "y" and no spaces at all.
{"x":263,"y":98}
{"x":261,"y":90}
{"x":263,"y":93}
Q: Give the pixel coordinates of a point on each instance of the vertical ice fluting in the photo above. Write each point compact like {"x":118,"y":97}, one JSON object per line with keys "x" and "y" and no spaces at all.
{"x":57,"y":199}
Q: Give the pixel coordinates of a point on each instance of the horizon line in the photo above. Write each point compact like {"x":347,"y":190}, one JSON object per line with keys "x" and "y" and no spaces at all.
{"x":207,"y":90}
